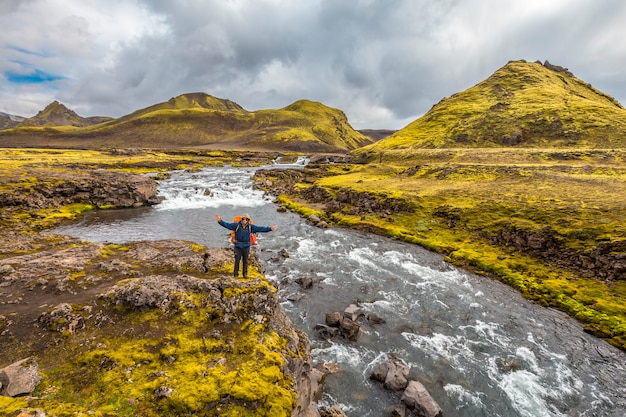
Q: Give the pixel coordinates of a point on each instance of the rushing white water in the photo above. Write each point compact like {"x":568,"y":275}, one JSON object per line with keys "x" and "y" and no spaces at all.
{"x":478,"y":347}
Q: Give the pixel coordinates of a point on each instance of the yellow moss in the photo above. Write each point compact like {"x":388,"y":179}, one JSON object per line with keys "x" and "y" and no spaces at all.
{"x":198,"y":248}
{"x":77,"y":274}
{"x":299,"y":208}
{"x":10,"y":406}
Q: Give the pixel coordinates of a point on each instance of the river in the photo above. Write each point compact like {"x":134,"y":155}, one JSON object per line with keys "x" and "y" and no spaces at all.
{"x":476,"y":344}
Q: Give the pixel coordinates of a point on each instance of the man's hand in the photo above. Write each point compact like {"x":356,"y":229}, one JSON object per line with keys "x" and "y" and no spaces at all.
{"x":218,"y":218}
{"x":274,"y":227}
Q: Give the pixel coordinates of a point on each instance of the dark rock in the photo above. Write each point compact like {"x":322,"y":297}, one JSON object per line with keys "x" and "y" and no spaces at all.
{"x":333,"y":319}
{"x":162,"y":392}
{"x":374,"y":319}
{"x":326,"y":332}
{"x":305,"y":282}
{"x":393,"y":373}
{"x":349,"y":329}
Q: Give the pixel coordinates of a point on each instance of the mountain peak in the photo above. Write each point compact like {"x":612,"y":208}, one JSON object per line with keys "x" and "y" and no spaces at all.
{"x":522,"y":104}
{"x":191,"y":100}
{"x":56,"y":114}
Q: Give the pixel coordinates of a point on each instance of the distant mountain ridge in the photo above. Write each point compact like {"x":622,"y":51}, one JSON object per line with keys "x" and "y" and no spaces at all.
{"x":522,"y":104}
{"x":9,"y":120}
{"x":194,"y":120}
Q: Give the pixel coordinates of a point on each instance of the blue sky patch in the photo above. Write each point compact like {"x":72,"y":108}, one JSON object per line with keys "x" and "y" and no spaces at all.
{"x":33,"y":77}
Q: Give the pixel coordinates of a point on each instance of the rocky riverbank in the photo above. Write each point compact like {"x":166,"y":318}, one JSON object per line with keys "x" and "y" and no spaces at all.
{"x":150,"y":328}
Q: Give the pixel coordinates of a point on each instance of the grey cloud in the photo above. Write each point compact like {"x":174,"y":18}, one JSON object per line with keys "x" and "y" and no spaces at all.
{"x":382,"y":62}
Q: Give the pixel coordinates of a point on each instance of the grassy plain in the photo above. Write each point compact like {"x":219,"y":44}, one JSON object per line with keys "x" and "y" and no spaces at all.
{"x":463,"y":199}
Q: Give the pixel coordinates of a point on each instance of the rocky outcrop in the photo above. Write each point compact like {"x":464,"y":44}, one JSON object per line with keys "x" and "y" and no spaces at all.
{"x":174,"y":277}
{"x":333,"y":411}
{"x":344,"y":200}
{"x":99,"y":188}
{"x":606,"y":262}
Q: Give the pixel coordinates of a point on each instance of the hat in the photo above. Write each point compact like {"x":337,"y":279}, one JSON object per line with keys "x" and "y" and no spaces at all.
{"x":245,"y":216}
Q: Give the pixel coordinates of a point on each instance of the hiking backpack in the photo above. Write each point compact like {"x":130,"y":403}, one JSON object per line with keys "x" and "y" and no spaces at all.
{"x":237,"y":219}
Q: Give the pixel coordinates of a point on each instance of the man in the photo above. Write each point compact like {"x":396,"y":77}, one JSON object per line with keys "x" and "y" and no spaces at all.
{"x":243,"y":229}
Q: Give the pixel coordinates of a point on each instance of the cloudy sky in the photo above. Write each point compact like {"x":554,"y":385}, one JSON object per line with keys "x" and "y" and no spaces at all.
{"x":383,"y":62}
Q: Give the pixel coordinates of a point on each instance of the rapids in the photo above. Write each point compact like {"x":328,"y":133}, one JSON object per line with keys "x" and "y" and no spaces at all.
{"x":476,"y":344}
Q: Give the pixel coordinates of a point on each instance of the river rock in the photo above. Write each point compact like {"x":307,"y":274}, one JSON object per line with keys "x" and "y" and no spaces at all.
{"x":400,"y":410}
{"x":349,"y":329}
{"x":338,"y":324}
{"x":374,"y":319}
{"x":326,"y":332}
{"x":417,"y":398}
{"x":353,"y":312}
{"x":332,"y":411}
{"x":333,"y":319}
{"x":393,"y":373}
{"x":305,"y":282}
{"x":19,"y":378}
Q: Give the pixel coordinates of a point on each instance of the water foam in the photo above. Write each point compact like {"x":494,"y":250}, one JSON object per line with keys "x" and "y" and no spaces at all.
{"x":341,"y":354}
{"x":454,"y":349}
{"x":527,"y":393}
{"x":463,"y":396}
{"x":210,"y":188}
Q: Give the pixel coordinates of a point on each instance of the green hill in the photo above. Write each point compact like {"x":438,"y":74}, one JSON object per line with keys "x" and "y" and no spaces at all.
{"x":56,"y":114}
{"x":522,"y":104}
{"x":200,"y":121}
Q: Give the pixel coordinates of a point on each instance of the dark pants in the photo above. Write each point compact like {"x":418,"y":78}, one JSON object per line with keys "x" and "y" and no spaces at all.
{"x":241,"y":254}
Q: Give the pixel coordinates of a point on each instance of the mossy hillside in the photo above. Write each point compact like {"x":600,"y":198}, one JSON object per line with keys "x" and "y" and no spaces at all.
{"x":464,"y":199}
{"x":522,"y":104}
{"x":190,"y":101}
{"x":198,"y":120}
{"x":301,"y":126}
